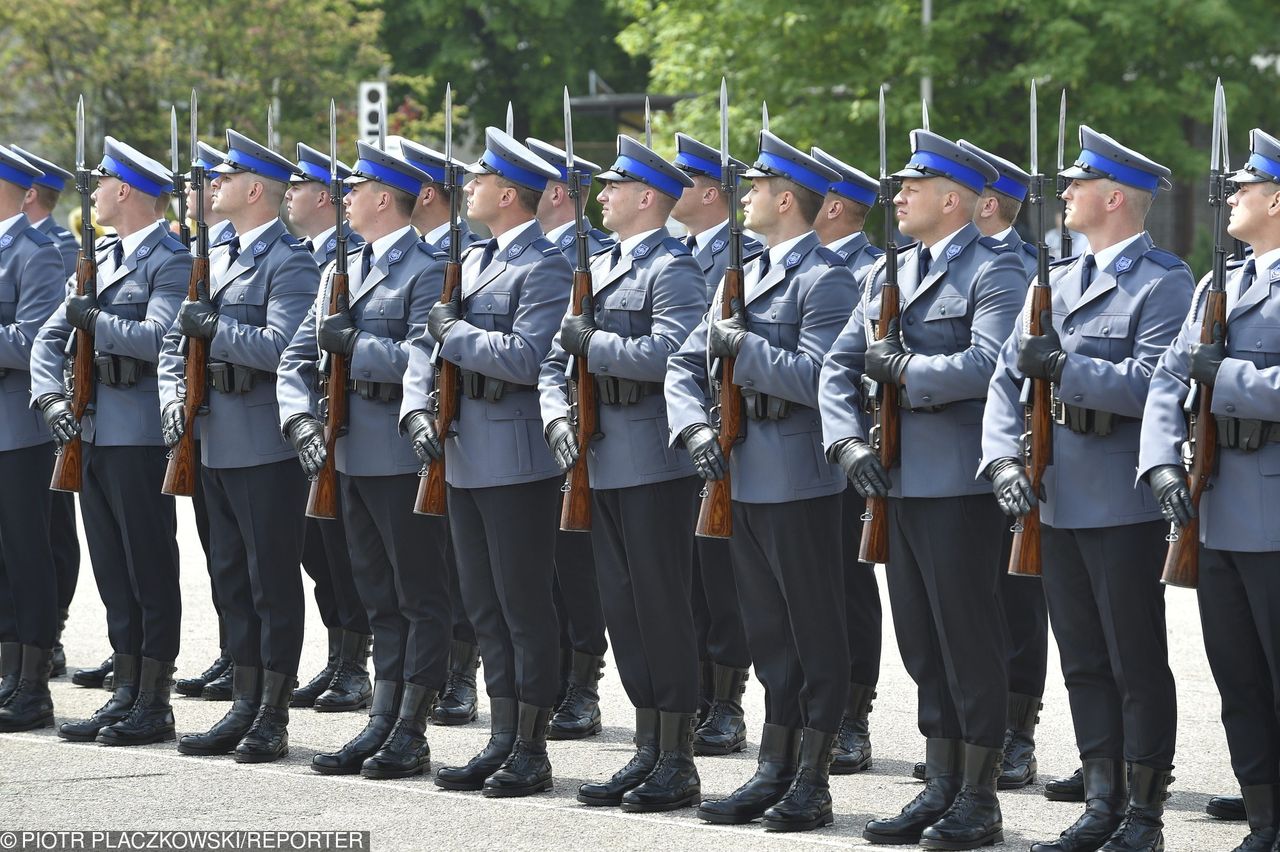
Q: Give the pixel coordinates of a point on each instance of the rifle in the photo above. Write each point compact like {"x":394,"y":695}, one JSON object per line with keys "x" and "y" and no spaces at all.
{"x":322,"y":499}
{"x":1037,"y":439}
{"x":431,"y":491}
{"x":1064,"y":233}
{"x":182,"y":468}
{"x":886,"y":418}
{"x":584,"y":416}
{"x":68,"y":474}
{"x":715,"y":514}
{"x":1200,"y":454}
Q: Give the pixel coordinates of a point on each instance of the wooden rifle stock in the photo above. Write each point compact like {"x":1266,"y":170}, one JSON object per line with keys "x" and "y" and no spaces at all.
{"x":68,"y":474}
{"x":1182,"y":562}
{"x":182,"y":469}
{"x":431,"y":492}
{"x":575,"y":510}
{"x":874,"y":546}
{"x":1025,"y":557}
{"x":322,"y":499}
{"x":715,"y":515}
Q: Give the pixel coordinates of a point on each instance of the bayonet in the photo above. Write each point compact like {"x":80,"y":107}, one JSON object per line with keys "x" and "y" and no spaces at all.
{"x":271,"y":127}
{"x":382,"y":124}
{"x":1035,"y":136}
{"x":80,"y":134}
{"x":335,"y":189}
{"x":173,"y":140}
{"x":511,"y":120}
{"x":924,"y":113}
{"x":648,"y":124}
{"x":764,"y":115}
{"x":1064,"y":233}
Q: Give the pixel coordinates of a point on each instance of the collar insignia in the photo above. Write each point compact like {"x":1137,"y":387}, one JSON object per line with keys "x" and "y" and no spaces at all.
{"x":1123,"y":264}
{"x":952,"y":251}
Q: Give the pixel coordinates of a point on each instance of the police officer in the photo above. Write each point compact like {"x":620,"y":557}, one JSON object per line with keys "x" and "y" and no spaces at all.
{"x":647,"y":294}
{"x":786,"y":549}
{"x":38,"y":205}
{"x":31,"y":287}
{"x":575,"y":590}
{"x":130,"y":526}
{"x":1022,"y":599}
{"x":723,"y":654}
{"x":959,"y":295}
{"x":397,"y":557}
{"x":503,"y":485}
{"x":456,"y":704}
{"x":1238,"y":593}
{"x":840,"y":228}
{"x":261,"y":284}
{"x":343,"y":684}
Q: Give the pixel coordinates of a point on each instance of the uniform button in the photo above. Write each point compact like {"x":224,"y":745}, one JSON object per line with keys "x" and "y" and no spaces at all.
{"x":624,"y":303}
{"x":748,"y":384}
{"x":1071,"y":329}
{"x":242,"y":297}
{"x":927,"y":398}
{"x":519,"y":413}
{"x":773,"y":315}
{"x":942,"y":311}
{"x":1106,"y":329}
{"x":1258,"y":345}
{"x":911,"y":320}
{"x":489,"y":306}
{"x":382,"y":310}
{"x":1078,"y":397}
{"x":1231,"y":407}
{"x":364,"y":373}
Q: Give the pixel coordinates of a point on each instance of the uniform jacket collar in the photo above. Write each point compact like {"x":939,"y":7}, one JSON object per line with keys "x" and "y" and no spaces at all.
{"x":382,"y":266}
{"x":528,"y":235}
{"x":1104,"y":280}
{"x":965,"y":237}
{"x":141,"y":253}
{"x":605,"y":276}
{"x":247,"y":260}
{"x":778,"y":271}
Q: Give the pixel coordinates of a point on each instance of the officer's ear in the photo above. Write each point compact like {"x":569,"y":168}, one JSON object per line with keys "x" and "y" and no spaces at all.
{"x":647,"y":198}
{"x":1273,"y":209}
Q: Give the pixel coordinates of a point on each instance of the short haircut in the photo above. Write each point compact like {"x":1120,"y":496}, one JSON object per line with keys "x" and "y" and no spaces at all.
{"x":526,"y":197}
{"x":809,"y":202}
{"x":1008,"y":207}
{"x":403,"y":201}
{"x":46,"y":196}
{"x":162,"y":203}
{"x":855,"y":212}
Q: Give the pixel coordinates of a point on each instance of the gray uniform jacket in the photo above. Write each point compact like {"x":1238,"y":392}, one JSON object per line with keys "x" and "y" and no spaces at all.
{"x":66,"y":243}
{"x":390,"y":308}
{"x":511,"y":311}
{"x":645,"y":307}
{"x":138,"y":302}
{"x":794,"y":314}
{"x":467,"y":237}
{"x":859,"y":255}
{"x":714,"y":257}
{"x":261,"y":299}
{"x":597,"y":241}
{"x":954,"y":322}
{"x":31,"y":288}
{"x":327,"y":253}
{"x":1026,"y":252}
{"x":221,"y":234}
{"x":1114,"y":334}
{"x":1237,"y":512}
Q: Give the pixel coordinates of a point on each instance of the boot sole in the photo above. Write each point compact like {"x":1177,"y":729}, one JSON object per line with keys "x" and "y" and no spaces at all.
{"x":342,"y":708}
{"x":45,"y":722}
{"x":262,"y":758}
{"x":87,"y":683}
{"x":205,"y":751}
{"x":513,"y":792}
{"x":709,"y":750}
{"x":891,"y":839}
{"x":335,"y":770}
{"x":190,"y":692}
{"x":450,"y":721}
{"x":1225,"y":814}
{"x":167,"y":736}
{"x":464,"y":786}
{"x":385,"y":774}
{"x":554,"y":733}
{"x":301,"y":703}
{"x":852,"y":769}
{"x":807,"y":825}
{"x":79,"y":738}
{"x":937,"y":843}
{"x":727,"y":819}
{"x":687,"y":802}
{"x":599,"y":803}
{"x":1002,"y":784}
{"x":58,"y":672}
{"x":1063,"y":797}
{"x":216,"y":696}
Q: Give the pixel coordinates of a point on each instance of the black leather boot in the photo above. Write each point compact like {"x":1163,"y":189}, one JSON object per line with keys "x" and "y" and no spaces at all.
{"x":1229,"y":808}
{"x":502,"y":737}
{"x":944,"y":768}
{"x":457,"y":704}
{"x":306,"y":695}
{"x":577,"y":715}
{"x":1142,"y":829}
{"x":807,"y":803}
{"x":637,"y":769}
{"x":30,"y":705}
{"x":527,"y":770}
{"x":227,"y":732}
{"x":10,"y":668}
{"x":1262,"y":805}
{"x":382,"y":718}
{"x":349,"y":689}
{"x":218,"y":689}
{"x":150,"y":719}
{"x":1019,"y":766}
{"x":1069,"y":789}
{"x":673,"y":782}
{"x":775,"y":770}
{"x":58,"y":659}
{"x":973,"y":820}
{"x":852,"y":751}
{"x":116,"y":708}
{"x":92,"y":678}
{"x":268,"y":737}
{"x":405,"y":752}
{"x":1106,"y":797}
{"x":193,"y":687}
{"x":723,"y":731}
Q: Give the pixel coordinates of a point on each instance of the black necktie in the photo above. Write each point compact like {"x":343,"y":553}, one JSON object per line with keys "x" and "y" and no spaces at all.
{"x":615,"y":256}
{"x":1086,"y":271}
{"x":490,"y":249}
{"x":233,"y":251}
{"x":311,"y":247}
{"x":1247,"y":278}
{"x":925,"y":260}
{"x":691,"y":241}
{"x":117,"y":253}
{"x":366,"y":261}
{"x":764,"y":265}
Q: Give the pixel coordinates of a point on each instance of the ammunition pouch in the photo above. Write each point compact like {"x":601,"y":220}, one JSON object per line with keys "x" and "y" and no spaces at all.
{"x":761,"y":406}
{"x":616,"y":391}
{"x":1238,"y":433}
{"x":1085,"y":421}
{"x":120,"y":371}
{"x":377,"y":391}
{"x":871,"y":394}
{"x":225,"y":377}
{"x":479,"y":386}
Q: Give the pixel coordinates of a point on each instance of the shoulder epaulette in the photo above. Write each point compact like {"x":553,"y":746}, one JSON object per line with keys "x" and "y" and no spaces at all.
{"x":293,"y":242}
{"x":994,"y":244}
{"x":38,"y":237}
{"x":600,"y":251}
{"x":829,"y":257}
{"x":546,"y":247}
{"x":874,"y":251}
{"x":1063,"y":261}
{"x":1165,"y":258}
{"x":172,"y":243}
{"x":1031,"y":249}
{"x":676,"y":247}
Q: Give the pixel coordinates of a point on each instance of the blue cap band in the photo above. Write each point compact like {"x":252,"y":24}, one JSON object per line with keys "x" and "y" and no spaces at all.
{"x":1118,"y":171}
{"x":524,"y":177}
{"x":391,"y":177}
{"x":313,"y":171}
{"x":810,"y":180}
{"x":52,"y":180}
{"x":585,"y":174}
{"x":207,"y":165}
{"x":849,"y":189}
{"x":1266,"y":165}
{"x":16,"y":176}
{"x":249,"y":163}
{"x":971,"y":178}
{"x":134,"y":178}
{"x":1010,"y":187}
{"x":688,"y":161}
{"x":647,"y":174}
{"x":436,"y":172}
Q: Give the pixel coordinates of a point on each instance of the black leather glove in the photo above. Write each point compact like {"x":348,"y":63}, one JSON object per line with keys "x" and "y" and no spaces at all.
{"x":306,"y":433}
{"x":1012,"y":487}
{"x":82,"y":311}
{"x":1205,"y":358}
{"x":563,"y":443}
{"x":861,"y":464}
{"x":198,"y":319}
{"x":1169,"y":485}
{"x":887,"y":358}
{"x":443,"y":316}
{"x":172,"y":423}
{"x":576,"y":331}
{"x":421,"y":429}
{"x":703,"y":445}
{"x":337,"y":333}
{"x":726,"y":335}
{"x":58,"y":417}
{"x":1040,"y":356}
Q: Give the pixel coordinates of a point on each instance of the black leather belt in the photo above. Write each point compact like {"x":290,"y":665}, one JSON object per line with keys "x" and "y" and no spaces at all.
{"x":377,"y":391}
{"x":121,"y":371}
{"x":616,"y":391}
{"x":225,"y":377}
{"x":1086,"y":421}
{"x":479,"y":386}
{"x":761,"y":406}
{"x":1246,"y":434}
